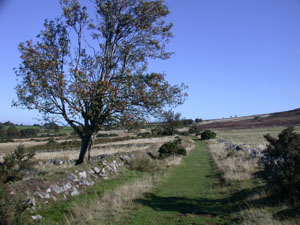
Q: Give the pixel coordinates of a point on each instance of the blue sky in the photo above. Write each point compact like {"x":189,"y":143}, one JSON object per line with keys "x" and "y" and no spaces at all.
{"x":238,"y":57}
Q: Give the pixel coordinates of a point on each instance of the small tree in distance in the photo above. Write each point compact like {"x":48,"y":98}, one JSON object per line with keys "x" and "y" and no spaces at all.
{"x":91,"y":71}
{"x":171,"y":121}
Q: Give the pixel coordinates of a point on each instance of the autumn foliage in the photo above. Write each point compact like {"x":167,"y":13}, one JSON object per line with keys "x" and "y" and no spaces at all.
{"x":90,"y":71}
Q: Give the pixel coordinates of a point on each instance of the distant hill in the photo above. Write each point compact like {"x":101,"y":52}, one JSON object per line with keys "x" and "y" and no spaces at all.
{"x":287,"y":118}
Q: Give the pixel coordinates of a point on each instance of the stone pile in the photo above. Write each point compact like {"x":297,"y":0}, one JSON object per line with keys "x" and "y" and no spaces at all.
{"x":74,"y":183}
{"x":253,"y":152}
{"x":62,"y":161}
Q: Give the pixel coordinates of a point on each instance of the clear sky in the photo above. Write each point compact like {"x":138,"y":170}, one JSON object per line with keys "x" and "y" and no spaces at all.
{"x":238,"y":57}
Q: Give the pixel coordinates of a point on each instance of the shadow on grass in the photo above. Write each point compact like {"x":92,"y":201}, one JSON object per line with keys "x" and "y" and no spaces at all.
{"x":183,"y":205}
{"x":200,"y":206}
{"x":220,"y":207}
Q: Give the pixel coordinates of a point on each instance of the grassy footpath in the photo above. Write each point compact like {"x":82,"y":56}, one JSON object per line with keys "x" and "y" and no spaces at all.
{"x":191,"y":194}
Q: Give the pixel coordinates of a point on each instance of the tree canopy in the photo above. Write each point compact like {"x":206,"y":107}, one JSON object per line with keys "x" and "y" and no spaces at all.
{"x":89,"y":68}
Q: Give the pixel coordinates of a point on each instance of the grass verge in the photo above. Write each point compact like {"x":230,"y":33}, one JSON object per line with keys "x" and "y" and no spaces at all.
{"x":58,"y":212}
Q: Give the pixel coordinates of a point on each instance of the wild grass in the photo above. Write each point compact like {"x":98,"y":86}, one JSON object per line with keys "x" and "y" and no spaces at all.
{"x":70,"y":148}
{"x":144,"y":163}
{"x":255,"y":204}
{"x":233,"y":166}
{"x":112,"y":207}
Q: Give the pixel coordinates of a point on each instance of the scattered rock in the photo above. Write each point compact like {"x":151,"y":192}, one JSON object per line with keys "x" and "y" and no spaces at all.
{"x":40,"y":195}
{"x":82,"y":175}
{"x":37,"y":217}
{"x":48,"y":190}
{"x":47,"y":195}
{"x":57,"y":189}
{"x":75,"y":192}
{"x":86,"y":182}
{"x":73,"y":177}
{"x":96,"y":170}
{"x":67,"y":186}
{"x":54,"y":198}
{"x":30,"y":201}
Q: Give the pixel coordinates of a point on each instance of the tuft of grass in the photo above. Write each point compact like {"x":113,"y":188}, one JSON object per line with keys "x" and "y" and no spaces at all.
{"x":58,"y":212}
{"x":144,"y":163}
{"x":233,"y":166}
{"x":112,"y":207}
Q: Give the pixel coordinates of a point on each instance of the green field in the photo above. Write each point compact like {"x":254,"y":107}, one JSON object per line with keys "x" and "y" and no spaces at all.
{"x":255,"y":136}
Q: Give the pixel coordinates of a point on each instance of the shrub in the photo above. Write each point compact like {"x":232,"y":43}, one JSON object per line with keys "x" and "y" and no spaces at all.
{"x":183,"y":133}
{"x":11,"y":210}
{"x":193,"y":130}
{"x":12,"y":132}
{"x":198,"y":120}
{"x":208,"y":134}
{"x":187,"y":122}
{"x":29,"y":132}
{"x":51,"y":141}
{"x":171,"y":148}
{"x":163,"y":131}
{"x":6,"y":140}
{"x":144,"y":135}
{"x":101,"y":135}
{"x":15,"y":163}
{"x":282,"y":167}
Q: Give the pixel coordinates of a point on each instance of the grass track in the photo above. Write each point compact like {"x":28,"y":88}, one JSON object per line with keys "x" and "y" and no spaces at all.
{"x":189,"y":195}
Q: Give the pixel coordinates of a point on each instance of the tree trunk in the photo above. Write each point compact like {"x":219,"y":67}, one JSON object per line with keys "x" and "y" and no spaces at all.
{"x":86,"y":144}
{"x":91,"y":142}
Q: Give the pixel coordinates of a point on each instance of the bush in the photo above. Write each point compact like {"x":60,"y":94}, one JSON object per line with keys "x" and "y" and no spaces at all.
{"x":171,"y":148}
{"x":51,"y":141}
{"x":15,"y":163}
{"x":29,"y":132}
{"x":144,"y":135}
{"x":208,"y":134}
{"x":11,"y":210}
{"x":6,"y":140}
{"x":101,"y":135}
{"x":12,"y":132}
{"x":183,"y":133}
{"x":187,"y":122}
{"x":163,"y":131}
{"x":198,"y":120}
{"x":193,"y":130}
{"x":282,"y":167}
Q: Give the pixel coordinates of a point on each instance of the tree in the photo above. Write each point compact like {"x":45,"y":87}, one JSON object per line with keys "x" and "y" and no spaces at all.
{"x":13,"y":132}
{"x":171,"y":121}
{"x":91,"y":71}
